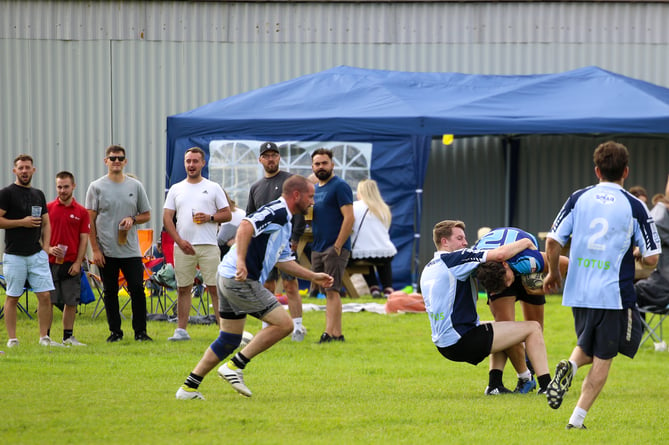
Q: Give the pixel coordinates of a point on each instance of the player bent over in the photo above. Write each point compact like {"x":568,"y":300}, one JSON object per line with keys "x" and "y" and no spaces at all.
{"x":262,"y":238}
{"x":450,"y":300}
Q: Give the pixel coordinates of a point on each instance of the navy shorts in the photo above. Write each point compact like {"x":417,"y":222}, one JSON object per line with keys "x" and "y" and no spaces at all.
{"x":473,"y":347}
{"x":518,"y":290}
{"x":603,"y":333}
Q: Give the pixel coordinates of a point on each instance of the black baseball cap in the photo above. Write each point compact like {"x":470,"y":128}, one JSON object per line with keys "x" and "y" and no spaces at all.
{"x":267,"y":146}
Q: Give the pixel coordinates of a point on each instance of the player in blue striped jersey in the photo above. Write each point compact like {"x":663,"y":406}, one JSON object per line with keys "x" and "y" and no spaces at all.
{"x":450,"y":301}
{"x":262,"y":241}
{"x":605,"y":223}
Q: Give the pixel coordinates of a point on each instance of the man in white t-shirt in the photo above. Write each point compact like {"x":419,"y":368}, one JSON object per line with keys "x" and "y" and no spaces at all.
{"x":199,"y":206}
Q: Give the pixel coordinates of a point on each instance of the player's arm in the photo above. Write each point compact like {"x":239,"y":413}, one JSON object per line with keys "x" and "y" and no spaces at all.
{"x":346,"y":227}
{"x":245,"y":232}
{"x":553,"y":280}
{"x":506,"y":251}
{"x":293,"y":268}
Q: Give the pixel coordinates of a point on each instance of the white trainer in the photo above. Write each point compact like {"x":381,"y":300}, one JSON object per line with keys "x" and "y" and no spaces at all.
{"x":299,"y":333}
{"x":179,"y":335}
{"x":71,"y":341}
{"x":235,"y":377}
{"x":12,"y":342}
{"x":46,"y":341}
{"x":188,"y":393}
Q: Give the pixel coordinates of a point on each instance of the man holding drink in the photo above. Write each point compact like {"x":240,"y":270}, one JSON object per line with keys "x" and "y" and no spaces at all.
{"x":69,"y":239}
{"x":116,"y":203}
{"x":27,"y":232}
{"x":198,"y":205}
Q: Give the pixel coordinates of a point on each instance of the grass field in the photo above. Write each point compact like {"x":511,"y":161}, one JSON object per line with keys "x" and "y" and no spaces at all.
{"x":386,"y":384}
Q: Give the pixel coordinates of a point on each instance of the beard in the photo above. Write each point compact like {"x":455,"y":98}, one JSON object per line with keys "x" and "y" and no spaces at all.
{"x":25,"y":182}
{"x":271,"y":169}
{"x":323,"y":174}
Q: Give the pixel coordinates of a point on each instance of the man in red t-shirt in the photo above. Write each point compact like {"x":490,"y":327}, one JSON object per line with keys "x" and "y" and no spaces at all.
{"x":70,"y":226}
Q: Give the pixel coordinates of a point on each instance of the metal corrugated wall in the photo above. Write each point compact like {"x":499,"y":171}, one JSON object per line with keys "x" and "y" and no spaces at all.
{"x":78,"y":76}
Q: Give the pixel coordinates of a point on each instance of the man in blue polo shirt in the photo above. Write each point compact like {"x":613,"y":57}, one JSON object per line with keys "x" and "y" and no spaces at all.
{"x":604,"y":222}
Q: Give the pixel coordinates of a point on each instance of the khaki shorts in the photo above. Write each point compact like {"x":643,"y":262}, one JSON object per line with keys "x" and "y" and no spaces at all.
{"x":332,"y":264}
{"x":206,"y":256}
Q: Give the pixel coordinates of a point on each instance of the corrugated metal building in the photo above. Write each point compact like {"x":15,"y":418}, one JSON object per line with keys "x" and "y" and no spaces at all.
{"x":78,"y":76}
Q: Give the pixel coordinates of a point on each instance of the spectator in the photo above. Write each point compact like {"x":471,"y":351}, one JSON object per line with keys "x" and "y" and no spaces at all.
{"x":654,"y":290}
{"x":116,"y":203}
{"x":263,"y":191}
{"x":640,"y":193}
{"x":24,"y":217}
{"x":332,"y":225}
{"x":198,"y":205}
{"x":69,"y":239}
{"x":370,"y":238}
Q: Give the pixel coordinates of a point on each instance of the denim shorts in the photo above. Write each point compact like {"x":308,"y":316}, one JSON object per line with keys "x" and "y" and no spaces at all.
{"x":34,"y":268}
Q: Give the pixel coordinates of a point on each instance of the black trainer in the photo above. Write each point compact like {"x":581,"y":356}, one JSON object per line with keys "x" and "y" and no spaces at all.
{"x":141,"y":336}
{"x":114,"y":337}
{"x":325,"y":338}
{"x":497,"y":390}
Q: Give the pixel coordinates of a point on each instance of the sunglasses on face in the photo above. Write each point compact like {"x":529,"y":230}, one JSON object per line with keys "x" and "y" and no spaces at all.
{"x":116,"y":158}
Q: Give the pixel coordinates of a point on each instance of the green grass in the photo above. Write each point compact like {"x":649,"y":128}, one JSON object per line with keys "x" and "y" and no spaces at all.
{"x":386,"y":384}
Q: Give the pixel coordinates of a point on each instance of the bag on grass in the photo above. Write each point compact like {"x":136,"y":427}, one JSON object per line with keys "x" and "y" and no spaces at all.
{"x":86,"y":295}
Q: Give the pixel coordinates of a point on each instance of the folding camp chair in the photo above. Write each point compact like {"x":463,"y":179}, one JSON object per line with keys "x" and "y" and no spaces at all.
{"x":26,"y":288}
{"x":652,"y":319}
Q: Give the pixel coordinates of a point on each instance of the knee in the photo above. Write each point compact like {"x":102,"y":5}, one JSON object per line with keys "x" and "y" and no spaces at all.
{"x":225,"y":344}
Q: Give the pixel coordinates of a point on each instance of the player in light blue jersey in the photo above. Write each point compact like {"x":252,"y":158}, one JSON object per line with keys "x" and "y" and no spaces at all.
{"x":605,"y":223}
{"x":506,"y":283}
{"x":262,"y":241}
{"x":450,"y":301}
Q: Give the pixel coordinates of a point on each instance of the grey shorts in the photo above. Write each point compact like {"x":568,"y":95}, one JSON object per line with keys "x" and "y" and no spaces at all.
{"x":236,"y":299}
{"x":603,"y":333}
{"x":67,"y":287}
{"x":332,"y":264}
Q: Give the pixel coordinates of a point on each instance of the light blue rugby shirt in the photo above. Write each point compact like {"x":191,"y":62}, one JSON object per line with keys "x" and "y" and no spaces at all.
{"x":450,"y":294}
{"x":605,"y":222}
{"x":270,"y":243}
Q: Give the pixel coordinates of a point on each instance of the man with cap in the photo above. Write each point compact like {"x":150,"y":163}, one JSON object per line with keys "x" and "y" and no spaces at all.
{"x":263,"y":191}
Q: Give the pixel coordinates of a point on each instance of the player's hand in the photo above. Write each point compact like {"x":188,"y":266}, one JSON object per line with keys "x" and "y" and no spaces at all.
{"x":323,"y":279}
{"x":552,"y":283}
{"x":242,"y":273}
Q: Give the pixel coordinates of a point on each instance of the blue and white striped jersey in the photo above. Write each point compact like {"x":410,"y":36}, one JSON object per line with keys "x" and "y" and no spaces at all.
{"x":450,"y":294}
{"x":605,"y":222}
{"x":525,"y":262}
{"x":270,"y":243}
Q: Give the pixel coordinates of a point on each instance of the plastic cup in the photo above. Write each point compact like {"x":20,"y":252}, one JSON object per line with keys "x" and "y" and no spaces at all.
{"x":61,"y":259}
{"x":36,"y":211}
{"x":193,"y":212}
{"x":122,"y":235}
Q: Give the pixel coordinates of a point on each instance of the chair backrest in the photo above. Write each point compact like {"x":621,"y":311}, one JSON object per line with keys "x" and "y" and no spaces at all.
{"x":145,"y":237}
{"x":168,"y":247}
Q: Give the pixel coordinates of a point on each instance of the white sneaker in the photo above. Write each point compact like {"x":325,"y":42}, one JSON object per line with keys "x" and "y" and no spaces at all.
{"x":299,"y":333}
{"x":235,"y":377}
{"x":71,"y":341}
{"x":179,"y":335}
{"x":188,"y":393}
{"x":12,"y":342}
{"x":46,"y":341}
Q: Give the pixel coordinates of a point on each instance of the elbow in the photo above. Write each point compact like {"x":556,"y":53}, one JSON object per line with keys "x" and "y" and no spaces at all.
{"x":651,"y":261}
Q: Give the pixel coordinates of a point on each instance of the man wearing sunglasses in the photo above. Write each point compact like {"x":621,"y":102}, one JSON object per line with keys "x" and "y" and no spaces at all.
{"x":116,"y":203}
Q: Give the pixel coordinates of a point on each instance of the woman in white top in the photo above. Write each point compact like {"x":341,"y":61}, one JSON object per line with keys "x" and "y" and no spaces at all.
{"x":370,"y":240}
{"x":228,"y":230}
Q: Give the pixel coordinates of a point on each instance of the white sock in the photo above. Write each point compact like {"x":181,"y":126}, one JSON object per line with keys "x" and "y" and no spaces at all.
{"x":525,"y":375}
{"x":297,"y":322}
{"x":574,"y":367}
{"x":264,"y":325}
{"x":578,"y":416}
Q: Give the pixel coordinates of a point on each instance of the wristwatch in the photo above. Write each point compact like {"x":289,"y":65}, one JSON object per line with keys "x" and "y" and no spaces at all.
{"x":134,"y":219}
{"x":211,"y":218}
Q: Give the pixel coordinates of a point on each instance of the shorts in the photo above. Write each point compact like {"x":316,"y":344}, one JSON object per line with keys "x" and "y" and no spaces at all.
{"x":275,"y":273}
{"x":206,"y":255}
{"x":236,"y":299}
{"x":473,"y":347}
{"x":332,"y":264}
{"x":68,"y":287}
{"x":518,"y":290}
{"x":603,"y":333}
{"x":34,"y":269}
